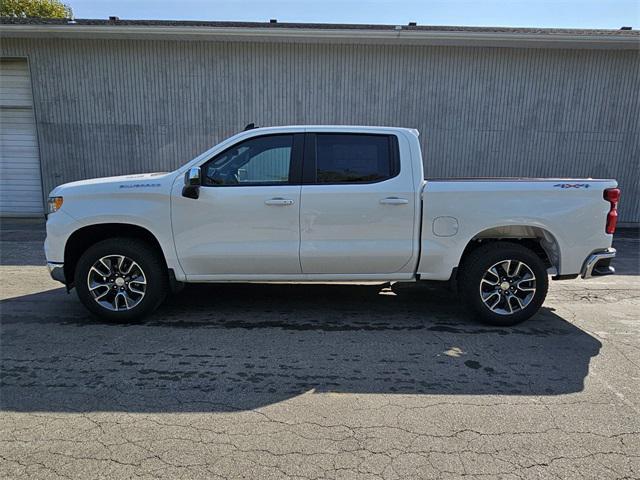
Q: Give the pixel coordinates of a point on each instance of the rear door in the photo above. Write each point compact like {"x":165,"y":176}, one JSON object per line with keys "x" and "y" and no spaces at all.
{"x":246,"y":219}
{"x":358,"y":205}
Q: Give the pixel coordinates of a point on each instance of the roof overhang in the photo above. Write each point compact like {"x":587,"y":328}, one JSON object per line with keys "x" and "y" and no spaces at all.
{"x":397,"y":36}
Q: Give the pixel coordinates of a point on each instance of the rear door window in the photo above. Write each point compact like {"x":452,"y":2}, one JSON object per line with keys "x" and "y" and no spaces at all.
{"x":355,"y":158}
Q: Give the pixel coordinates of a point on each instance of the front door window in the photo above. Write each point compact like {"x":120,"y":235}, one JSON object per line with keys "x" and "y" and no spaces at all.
{"x":257,"y":161}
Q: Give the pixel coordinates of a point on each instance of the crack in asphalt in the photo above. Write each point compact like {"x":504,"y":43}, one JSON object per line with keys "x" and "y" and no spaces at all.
{"x":341,"y":384}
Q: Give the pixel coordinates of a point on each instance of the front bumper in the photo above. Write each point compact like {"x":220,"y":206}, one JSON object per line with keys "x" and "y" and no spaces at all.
{"x":599,"y":264}
{"x":56,"y":270}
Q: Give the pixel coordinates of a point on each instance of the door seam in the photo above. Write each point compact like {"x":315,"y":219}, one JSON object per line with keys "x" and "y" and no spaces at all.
{"x":300,"y":229}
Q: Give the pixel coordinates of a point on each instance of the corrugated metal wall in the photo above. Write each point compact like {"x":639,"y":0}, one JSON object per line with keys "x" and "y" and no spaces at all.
{"x":114,"y":107}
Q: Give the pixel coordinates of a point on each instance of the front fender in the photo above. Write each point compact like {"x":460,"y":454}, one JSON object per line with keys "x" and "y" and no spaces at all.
{"x":149,"y":210}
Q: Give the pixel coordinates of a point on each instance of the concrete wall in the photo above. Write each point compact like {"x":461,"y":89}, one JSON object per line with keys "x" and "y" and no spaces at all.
{"x":115,"y":107}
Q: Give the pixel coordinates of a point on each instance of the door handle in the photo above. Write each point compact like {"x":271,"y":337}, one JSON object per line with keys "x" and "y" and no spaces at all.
{"x":278,"y":201}
{"x":394,"y":201}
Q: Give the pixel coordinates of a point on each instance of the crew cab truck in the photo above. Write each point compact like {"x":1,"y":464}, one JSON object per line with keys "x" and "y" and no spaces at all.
{"x":325,"y":204}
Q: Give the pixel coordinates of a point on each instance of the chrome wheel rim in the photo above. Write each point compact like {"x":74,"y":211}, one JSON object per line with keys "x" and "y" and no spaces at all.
{"x":117,"y":282}
{"x":508,"y":287}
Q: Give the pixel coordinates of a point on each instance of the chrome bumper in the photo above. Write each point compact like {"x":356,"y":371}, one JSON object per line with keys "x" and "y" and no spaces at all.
{"x":56,"y":270}
{"x":598,"y":264}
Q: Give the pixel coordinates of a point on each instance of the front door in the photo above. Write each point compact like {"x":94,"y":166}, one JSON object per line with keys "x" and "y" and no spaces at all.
{"x":358,"y":207}
{"x":246,"y":219}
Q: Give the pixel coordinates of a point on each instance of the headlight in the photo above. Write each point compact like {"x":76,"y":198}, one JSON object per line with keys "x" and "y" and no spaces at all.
{"x":54,"y":204}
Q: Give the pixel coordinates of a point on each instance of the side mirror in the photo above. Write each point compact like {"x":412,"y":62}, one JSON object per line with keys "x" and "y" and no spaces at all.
{"x":192,"y":182}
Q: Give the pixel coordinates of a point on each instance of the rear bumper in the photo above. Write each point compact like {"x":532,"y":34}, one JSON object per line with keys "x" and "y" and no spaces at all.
{"x":599,"y":264}
{"x":56,"y":270}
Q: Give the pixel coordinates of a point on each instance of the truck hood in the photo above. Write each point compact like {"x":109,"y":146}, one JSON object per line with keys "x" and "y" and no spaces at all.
{"x":143,"y":181}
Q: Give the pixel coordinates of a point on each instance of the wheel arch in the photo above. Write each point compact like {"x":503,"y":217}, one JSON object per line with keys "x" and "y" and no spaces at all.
{"x":538,"y":239}
{"x":83,"y":238}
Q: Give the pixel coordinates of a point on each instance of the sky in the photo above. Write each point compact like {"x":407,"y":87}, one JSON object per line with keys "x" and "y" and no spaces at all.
{"x":508,"y":13}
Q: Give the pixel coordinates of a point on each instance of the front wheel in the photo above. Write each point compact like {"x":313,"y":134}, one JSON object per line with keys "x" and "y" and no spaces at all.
{"x":121,"y":279}
{"x":504,"y":283}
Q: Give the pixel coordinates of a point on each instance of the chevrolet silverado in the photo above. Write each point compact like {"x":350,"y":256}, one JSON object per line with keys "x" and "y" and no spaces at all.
{"x":326,"y":204}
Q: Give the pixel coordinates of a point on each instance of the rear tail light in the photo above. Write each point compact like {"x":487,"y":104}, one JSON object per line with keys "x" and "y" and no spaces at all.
{"x":612,"y":195}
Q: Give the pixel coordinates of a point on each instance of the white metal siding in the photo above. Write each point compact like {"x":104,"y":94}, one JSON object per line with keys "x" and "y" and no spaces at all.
{"x":20,"y":185}
{"x":110,"y":107}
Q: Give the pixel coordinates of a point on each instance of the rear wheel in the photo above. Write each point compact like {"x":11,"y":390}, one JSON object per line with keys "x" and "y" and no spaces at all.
{"x":503,"y":282}
{"x":121,"y":279}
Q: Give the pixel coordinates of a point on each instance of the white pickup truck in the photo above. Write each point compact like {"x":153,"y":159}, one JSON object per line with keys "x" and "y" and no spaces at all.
{"x":325,"y":204}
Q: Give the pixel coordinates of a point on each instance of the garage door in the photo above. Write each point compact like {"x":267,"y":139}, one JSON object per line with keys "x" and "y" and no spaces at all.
{"x":20,"y":185}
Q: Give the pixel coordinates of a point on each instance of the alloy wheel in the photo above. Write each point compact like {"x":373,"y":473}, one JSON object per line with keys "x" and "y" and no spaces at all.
{"x":117,"y":282}
{"x":508,"y":287}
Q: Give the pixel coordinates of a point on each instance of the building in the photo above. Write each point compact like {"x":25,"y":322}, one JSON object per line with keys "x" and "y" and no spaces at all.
{"x":90,"y":98}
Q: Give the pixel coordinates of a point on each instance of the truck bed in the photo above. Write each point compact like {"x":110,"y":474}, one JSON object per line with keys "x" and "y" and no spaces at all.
{"x":458,"y":210}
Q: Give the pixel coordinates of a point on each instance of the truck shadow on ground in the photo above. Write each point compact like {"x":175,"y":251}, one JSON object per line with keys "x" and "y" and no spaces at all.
{"x":238,"y":347}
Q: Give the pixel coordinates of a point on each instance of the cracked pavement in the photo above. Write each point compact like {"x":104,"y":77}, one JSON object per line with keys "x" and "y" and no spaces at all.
{"x":311,"y":382}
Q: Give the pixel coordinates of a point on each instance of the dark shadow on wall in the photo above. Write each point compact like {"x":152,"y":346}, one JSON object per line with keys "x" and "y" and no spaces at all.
{"x":238,"y":347}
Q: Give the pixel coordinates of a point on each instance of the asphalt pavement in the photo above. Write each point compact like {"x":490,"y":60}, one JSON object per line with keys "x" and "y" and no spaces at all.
{"x":310,"y":382}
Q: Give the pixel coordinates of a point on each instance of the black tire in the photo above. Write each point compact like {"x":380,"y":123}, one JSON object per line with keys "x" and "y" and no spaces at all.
{"x":476,"y":264}
{"x":148,"y":259}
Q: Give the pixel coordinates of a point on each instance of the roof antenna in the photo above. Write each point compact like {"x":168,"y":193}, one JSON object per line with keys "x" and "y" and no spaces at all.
{"x":250,"y":126}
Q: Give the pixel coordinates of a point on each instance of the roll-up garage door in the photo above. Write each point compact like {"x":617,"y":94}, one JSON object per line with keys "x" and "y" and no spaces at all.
{"x":20,"y":185}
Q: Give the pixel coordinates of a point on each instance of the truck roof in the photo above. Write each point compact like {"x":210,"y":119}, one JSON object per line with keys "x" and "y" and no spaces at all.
{"x":337,"y":128}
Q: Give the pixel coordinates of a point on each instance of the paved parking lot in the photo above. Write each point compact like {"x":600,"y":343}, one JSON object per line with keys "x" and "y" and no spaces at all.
{"x":286,"y":381}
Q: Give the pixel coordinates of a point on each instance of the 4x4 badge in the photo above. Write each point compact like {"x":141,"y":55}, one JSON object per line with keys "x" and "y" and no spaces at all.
{"x":572,"y":185}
